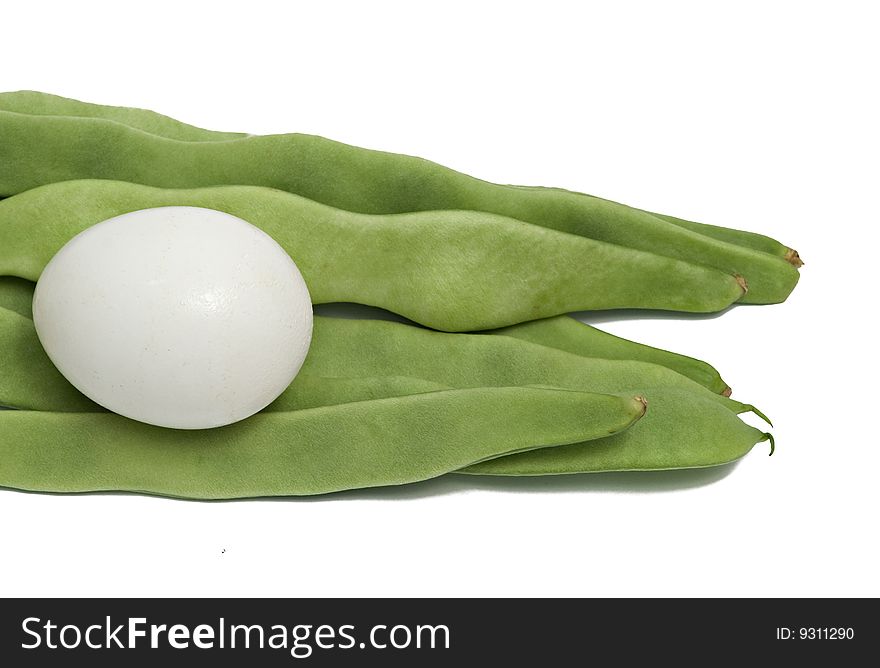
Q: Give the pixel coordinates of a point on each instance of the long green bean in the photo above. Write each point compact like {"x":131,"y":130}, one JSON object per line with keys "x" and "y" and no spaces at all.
{"x":441,"y":268}
{"x":702,"y":428}
{"x":363,"y":444}
{"x":39,"y":149}
{"x":570,"y":335}
{"x":44,"y":104}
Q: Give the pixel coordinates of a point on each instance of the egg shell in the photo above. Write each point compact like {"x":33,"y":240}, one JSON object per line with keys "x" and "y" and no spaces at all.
{"x":180,"y":317}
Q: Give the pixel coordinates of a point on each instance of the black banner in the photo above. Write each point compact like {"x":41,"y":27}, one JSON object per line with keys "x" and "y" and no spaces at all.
{"x":278,"y":632}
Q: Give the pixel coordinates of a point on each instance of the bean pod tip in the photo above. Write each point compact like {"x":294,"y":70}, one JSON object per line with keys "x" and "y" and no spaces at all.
{"x":792,"y":257}
{"x":749,"y":408}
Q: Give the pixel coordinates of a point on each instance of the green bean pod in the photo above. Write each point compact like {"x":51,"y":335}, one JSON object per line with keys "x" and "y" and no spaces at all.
{"x":566,"y":333}
{"x":364,"y":444}
{"x":562,"y":332}
{"x":29,"y":380}
{"x":440,"y":268}
{"x":686,"y":431}
{"x":41,"y":149}
{"x":752,"y":240}
{"x":44,"y":104}
{"x":347,"y":356}
{"x":17,"y":294}
{"x":679,"y":420}
{"x":350,"y":354}
{"x":344,"y":347}
{"x":365,"y":348}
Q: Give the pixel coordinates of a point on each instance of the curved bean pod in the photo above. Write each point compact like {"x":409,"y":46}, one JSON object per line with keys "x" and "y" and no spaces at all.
{"x":566,"y":333}
{"x":439,"y":268}
{"x":29,"y":380}
{"x":746,"y":240}
{"x":364,"y":348}
{"x":316,"y":451}
{"x":353,"y":360}
{"x":39,"y":149}
{"x":753,"y":240}
{"x":355,"y":350}
{"x":44,"y":104}
{"x":562,"y":332}
{"x":679,"y":420}
{"x":703,"y":434}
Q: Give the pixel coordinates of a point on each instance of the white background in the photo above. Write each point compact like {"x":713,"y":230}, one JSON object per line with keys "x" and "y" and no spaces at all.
{"x":760,"y":115}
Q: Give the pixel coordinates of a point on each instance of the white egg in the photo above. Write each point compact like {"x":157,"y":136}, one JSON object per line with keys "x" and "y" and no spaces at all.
{"x":176,"y":316}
